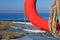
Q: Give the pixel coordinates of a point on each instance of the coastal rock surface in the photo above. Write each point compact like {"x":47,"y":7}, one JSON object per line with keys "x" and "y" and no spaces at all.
{"x":11,"y":35}
{"x":6,"y":25}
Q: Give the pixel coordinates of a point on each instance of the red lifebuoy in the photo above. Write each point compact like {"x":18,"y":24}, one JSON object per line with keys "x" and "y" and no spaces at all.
{"x":32,"y":14}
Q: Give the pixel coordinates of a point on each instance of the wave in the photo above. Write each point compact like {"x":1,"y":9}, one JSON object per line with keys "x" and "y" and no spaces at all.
{"x":28,"y":23}
{"x":28,"y":30}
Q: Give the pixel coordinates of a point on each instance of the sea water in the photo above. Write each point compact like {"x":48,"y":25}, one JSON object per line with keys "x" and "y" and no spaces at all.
{"x":12,"y":16}
{"x":18,"y":16}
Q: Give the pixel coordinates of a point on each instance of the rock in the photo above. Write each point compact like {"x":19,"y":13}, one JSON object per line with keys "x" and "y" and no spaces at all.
{"x":5,"y":25}
{"x":11,"y":35}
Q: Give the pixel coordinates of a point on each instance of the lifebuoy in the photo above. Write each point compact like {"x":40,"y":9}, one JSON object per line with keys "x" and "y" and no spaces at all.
{"x":32,"y":14}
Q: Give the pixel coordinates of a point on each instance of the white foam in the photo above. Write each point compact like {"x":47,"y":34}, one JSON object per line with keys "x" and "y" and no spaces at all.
{"x":23,"y":23}
{"x":33,"y":31}
{"x":28,"y":30}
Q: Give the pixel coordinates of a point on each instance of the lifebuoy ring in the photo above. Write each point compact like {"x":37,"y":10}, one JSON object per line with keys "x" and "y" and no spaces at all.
{"x":32,"y":14}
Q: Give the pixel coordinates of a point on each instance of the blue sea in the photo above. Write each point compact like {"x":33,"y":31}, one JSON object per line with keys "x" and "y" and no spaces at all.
{"x":20,"y":18}
{"x":11,"y":16}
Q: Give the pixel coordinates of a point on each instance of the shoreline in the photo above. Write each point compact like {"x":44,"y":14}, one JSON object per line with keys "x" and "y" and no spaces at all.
{"x":30,"y":30}
{"x":26,"y":30}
